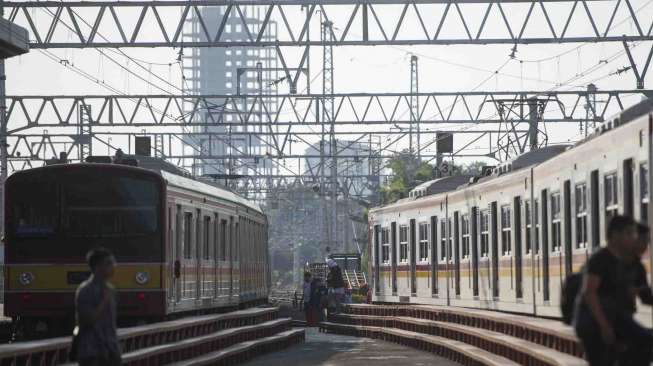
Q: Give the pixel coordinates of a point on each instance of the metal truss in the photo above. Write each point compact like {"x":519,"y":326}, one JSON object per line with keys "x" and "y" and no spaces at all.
{"x":357,"y":22}
{"x":355,"y":109}
{"x":41,"y":127}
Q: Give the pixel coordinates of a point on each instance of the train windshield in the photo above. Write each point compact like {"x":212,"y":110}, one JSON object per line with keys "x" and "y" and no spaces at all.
{"x":124,"y":206}
{"x":66,"y":213}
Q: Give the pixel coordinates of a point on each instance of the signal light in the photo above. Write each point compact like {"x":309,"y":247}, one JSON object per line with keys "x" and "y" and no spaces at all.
{"x":141,"y":296}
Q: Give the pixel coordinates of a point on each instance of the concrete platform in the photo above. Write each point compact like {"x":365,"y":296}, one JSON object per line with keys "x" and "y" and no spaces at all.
{"x":337,"y":350}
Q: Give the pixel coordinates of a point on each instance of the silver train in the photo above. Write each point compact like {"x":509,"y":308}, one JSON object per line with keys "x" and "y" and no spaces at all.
{"x":507,"y":240}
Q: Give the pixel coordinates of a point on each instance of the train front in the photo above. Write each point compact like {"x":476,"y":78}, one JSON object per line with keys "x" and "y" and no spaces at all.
{"x":56,"y":214}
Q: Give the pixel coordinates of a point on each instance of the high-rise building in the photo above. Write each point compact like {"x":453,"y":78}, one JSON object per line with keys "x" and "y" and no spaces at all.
{"x":229,"y":71}
{"x":356,"y":161}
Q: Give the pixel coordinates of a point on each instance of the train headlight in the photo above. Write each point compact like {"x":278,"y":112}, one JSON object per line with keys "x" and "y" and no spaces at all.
{"x":26,"y":278}
{"x":142,"y":278}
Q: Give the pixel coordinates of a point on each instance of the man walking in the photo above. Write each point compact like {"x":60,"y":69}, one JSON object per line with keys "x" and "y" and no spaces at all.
{"x":605,"y":291}
{"x":96,"y":313}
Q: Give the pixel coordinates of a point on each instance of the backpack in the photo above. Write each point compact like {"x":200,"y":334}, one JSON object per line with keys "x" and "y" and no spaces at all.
{"x":570,"y":292}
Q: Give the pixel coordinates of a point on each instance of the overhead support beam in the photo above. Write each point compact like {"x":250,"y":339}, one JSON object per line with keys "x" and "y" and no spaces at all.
{"x":355,"y":109}
{"x":77,"y":24}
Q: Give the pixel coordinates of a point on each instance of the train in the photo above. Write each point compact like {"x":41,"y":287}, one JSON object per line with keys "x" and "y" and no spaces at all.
{"x":507,"y":239}
{"x":182,"y":246}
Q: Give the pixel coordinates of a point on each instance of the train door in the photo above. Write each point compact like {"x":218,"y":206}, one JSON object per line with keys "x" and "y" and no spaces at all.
{"x":215,"y":243}
{"x":569,"y":255}
{"x":413,"y":259}
{"x":393,"y":241}
{"x":222,"y":258}
{"x":188,"y":267}
{"x":545,"y":244}
{"x":519,"y":286}
{"x":495,"y":249}
{"x":377,"y":261}
{"x":456,"y":252}
{"x":230,"y":254}
{"x":208,"y":274}
{"x":434,"y":255}
{"x":176,"y":255}
{"x":474,"y":239}
{"x":197,"y":253}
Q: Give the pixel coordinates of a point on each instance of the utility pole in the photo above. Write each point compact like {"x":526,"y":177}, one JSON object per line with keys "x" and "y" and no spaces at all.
{"x":414,"y":107}
{"x":3,"y":142}
{"x":328,"y":115}
{"x":590,"y":108}
{"x":533,"y":118}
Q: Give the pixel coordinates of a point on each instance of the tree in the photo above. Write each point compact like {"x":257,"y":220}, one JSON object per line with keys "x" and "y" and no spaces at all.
{"x":407,"y":173}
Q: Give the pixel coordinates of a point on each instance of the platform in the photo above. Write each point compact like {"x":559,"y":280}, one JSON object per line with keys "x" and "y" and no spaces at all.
{"x":337,"y":350}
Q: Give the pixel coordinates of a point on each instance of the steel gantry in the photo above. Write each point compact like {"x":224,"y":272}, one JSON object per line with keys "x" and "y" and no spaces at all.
{"x":355,"y":22}
{"x":40,"y":127}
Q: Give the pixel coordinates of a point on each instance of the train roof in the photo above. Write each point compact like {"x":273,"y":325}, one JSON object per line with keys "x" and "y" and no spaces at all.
{"x":201,"y":187}
{"x":182,"y":178}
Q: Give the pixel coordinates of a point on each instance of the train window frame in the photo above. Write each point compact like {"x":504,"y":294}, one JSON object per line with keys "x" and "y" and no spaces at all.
{"x":385,"y":245}
{"x":424,"y":229}
{"x":450,"y":240}
{"x":206,"y":240}
{"x":611,"y":195}
{"x":484,"y":230}
{"x":643,"y":191}
{"x":506,"y":230}
{"x":580,"y":205}
{"x":556,"y":222}
{"x":465,"y":234}
{"x":403,"y":243}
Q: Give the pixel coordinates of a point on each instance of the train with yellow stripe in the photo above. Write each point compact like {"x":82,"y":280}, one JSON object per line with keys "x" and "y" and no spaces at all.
{"x":182,"y":245}
{"x":507,"y":240}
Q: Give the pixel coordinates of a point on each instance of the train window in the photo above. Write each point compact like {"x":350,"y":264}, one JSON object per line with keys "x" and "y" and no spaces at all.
{"x":206,"y":252}
{"x":443,"y":239}
{"x":506,"y":238}
{"x":529,"y":219}
{"x":643,"y":191}
{"x":611,"y":197}
{"x":403,"y":243}
{"x":581,"y":216}
{"x":556,"y":223}
{"x":385,"y":245}
{"x":188,"y":250}
{"x":424,"y":241}
{"x":536,"y":207}
{"x":485,"y":233}
{"x":465,"y":235}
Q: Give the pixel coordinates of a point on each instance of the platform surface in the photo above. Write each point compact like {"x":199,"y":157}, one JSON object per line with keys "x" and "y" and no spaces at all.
{"x":337,"y":350}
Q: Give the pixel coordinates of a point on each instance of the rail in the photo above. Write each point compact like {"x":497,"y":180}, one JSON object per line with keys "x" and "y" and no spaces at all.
{"x":55,"y":350}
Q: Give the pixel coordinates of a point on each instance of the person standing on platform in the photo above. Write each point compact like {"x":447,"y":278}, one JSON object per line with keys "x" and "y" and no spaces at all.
{"x":336,"y":285}
{"x":307,"y":289}
{"x":95,"y":302}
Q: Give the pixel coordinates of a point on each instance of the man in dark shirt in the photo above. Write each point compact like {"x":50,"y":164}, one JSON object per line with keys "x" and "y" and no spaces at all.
{"x":96,"y":313}
{"x":639,"y":340}
{"x":605,"y":290}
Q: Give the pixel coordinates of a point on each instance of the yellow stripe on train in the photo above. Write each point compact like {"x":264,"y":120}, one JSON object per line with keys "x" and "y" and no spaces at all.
{"x":55,"y":277}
